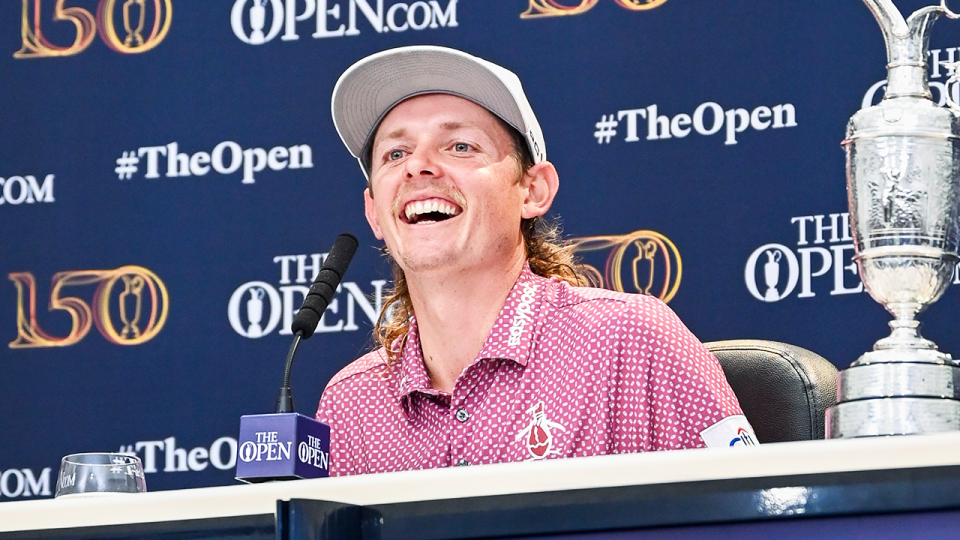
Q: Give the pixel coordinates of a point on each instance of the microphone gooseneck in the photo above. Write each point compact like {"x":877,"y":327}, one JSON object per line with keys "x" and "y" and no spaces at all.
{"x":285,"y":399}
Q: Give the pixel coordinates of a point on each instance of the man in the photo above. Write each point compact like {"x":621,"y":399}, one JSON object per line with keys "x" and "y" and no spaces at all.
{"x":490,"y":352}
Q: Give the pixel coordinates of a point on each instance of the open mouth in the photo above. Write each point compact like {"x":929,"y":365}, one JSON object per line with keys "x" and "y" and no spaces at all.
{"x":429,"y":211}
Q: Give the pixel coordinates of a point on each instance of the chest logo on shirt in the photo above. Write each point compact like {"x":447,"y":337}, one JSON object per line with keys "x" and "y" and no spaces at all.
{"x":538,"y":435}
{"x":523,"y":315}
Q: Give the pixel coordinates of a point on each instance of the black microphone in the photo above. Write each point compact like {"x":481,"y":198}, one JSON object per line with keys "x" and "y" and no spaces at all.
{"x":321,"y":292}
{"x":314,"y":304}
{"x":287,"y":445}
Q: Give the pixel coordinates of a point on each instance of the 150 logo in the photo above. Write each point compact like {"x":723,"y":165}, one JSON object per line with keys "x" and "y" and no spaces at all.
{"x":131,"y":16}
{"x":133,"y":293}
{"x":553,"y":8}
{"x":644,"y":262}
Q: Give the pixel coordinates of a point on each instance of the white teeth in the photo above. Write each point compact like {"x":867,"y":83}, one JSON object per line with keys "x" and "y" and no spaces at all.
{"x":418,"y":208}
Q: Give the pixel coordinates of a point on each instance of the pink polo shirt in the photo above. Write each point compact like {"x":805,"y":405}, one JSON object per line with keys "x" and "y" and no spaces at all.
{"x":566,"y":371}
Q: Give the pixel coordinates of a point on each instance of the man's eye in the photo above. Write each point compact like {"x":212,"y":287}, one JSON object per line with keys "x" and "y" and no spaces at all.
{"x":395,"y":155}
{"x":461,"y":147}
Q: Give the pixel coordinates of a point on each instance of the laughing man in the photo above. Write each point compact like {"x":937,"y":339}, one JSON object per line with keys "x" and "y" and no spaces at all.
{"x":490,"y":350}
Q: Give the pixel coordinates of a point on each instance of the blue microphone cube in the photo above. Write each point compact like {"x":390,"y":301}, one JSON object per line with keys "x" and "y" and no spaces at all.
{"x":284,"y":446}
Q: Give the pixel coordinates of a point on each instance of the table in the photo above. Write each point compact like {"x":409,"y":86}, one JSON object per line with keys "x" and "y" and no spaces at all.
{"x":891,"y":485}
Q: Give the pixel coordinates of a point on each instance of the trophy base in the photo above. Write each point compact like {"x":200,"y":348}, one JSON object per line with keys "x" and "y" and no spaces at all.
{"x":904,"y":355}
{"x":898,"y":398}
{"x":898,"y":379}
{"x":892,"y":416}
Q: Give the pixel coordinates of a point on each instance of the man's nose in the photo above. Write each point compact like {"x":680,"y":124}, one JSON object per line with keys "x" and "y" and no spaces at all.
{"x":422,"y":162}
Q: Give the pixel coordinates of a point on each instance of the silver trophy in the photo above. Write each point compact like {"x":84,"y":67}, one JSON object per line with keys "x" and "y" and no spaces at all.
{"x":903,"y":185}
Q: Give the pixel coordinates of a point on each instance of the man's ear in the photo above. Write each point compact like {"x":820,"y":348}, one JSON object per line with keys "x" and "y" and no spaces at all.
{"x":371,"y":214}
{"x":542,"y":183}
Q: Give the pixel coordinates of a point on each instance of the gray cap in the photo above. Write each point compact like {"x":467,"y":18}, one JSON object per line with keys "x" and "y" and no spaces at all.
{"x":370,"y":88}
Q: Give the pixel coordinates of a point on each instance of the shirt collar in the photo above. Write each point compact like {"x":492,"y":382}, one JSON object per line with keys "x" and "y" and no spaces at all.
{"x":519,"y":321}
{"x":413,"y":373}
{"x":511,"y":337}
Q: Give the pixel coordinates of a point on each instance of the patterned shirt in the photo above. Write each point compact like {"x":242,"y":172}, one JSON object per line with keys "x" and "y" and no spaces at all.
{"x":566,"y":371}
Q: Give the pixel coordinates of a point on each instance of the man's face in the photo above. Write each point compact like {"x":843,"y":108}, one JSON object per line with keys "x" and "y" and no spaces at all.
{"x":446,"y":189}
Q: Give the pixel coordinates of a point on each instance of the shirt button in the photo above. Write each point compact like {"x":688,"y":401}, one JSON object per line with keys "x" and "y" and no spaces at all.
{"x":462,"y":462}
{"x":463,"y":415}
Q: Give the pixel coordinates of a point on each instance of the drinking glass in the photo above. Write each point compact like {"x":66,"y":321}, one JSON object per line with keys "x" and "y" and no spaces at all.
{"x":100,"y":473}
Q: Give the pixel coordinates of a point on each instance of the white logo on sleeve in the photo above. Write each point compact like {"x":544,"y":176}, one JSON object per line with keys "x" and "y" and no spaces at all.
{"x":731,"y":431}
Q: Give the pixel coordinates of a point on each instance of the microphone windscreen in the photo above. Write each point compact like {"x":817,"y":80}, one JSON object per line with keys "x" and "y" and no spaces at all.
{"x":324,"y":288}
{"x":316,"y":303}
{"x":305,"y":322}
{"x":325,"y":285}
{"x":341,"y":253}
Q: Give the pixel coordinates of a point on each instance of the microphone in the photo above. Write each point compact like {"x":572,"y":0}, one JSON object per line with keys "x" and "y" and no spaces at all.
{"x":266,"y":444}
{"x":314,"y":304}
{"x":321,"y":292}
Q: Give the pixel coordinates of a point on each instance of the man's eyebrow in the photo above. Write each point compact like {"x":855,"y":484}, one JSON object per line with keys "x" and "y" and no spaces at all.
{"x":402,"y":132}
{"x":395,"y":134}
{"x":450,"y":126}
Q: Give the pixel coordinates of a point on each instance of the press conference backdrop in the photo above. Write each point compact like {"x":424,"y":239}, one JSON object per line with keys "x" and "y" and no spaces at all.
{"x":170,"y":179}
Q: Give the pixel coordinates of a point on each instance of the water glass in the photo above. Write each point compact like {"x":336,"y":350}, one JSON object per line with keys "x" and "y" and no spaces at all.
{"x":100,"y":473}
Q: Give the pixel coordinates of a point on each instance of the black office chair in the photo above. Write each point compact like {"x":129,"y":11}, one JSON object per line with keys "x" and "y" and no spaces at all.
{"x":783,"y":390}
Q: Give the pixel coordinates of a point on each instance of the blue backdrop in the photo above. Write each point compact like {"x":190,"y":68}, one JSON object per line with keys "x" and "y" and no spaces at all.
{"x":170,"y":179}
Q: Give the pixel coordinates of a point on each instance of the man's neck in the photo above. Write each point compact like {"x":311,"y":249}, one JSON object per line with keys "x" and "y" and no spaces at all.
{"x":455,"y":313}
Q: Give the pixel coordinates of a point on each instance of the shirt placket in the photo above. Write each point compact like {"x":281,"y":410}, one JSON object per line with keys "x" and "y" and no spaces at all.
{"x":464,"y":419}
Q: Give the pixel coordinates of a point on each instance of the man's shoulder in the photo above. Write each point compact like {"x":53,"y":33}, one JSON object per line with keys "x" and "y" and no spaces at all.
{"x":371,"y":365}
{"x":604,"y":303}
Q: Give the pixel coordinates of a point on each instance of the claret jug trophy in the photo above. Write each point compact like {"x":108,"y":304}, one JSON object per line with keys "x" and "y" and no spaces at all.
{"x":903,"y":186}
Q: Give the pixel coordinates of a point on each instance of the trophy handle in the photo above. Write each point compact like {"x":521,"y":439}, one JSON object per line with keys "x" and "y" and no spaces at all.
{"x":951,"y":82}
{"x":946,"y":11}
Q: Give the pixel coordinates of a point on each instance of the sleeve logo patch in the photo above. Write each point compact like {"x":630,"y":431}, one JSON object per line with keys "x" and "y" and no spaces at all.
{"x":729,"y":432}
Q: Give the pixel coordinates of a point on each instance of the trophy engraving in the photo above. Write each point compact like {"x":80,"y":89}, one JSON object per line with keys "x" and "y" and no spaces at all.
{"x":903,"y":188}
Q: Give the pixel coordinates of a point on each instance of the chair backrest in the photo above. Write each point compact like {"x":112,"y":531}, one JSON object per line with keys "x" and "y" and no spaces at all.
{"x":783,"y":390}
